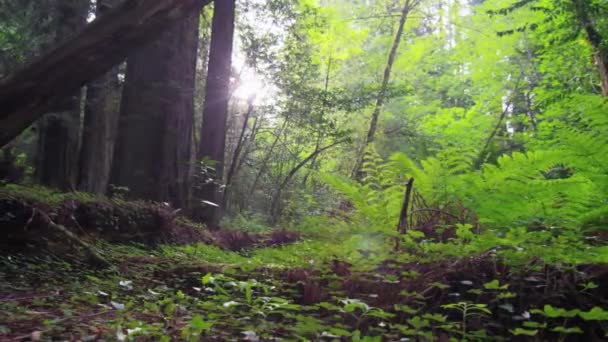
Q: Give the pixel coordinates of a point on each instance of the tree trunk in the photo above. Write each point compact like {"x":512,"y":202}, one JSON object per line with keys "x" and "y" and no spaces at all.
{"x":264,"y":165}
{"x":155,"y":128}
{"x":249,"y":142}
{"x":371,"y":133}
{"x":275,"y":208}
{"x":101,"y":114}
{"x":57,"y":146}
{"x":237,"y":152}
{"x":215,"y":109}
{"x":597,"y":42}
{"x":59,"y":131}
{"x":403,"y":216}
{"x":27,"y":94}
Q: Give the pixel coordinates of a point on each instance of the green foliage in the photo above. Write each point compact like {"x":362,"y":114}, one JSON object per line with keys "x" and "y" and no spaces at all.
{"x":246,"y":223}
{"x":494,"y":111}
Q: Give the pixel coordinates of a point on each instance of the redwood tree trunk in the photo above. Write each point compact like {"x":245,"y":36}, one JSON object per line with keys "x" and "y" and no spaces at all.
{"x":154,"y":142}
{"x":104,"y":43}
{"x":100,"y":125}
{"x":215,"y":109}
{"x":59,"y":131}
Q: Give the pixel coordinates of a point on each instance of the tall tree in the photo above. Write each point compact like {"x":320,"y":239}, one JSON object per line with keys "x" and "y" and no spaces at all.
{"x":583,"y":10}
{"x":371,"y":133}
{"x":215,"y":109}
{"x":28,"y":93}
{"x":153,"y":149}
{"x":59,"y":130}
{"x":275,"y":206}
{"x":100,"y":124}
{"x":240,"y":142}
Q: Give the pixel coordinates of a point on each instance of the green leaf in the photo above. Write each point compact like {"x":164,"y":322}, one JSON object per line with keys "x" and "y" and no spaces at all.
{"x":525,"y":332}
{"x":249,"y":292}
{"x":590,"y":286}
{"x":339,"y":332}
{"x":350,"y":305}
{"x":595,"y":314}
{"x":418,"y":323}
{"x":554,"y":312}
{"x":207,"y":278}
{"x":495,"y":285}
{"x":568,"y":330}
{"x":199,"y":324}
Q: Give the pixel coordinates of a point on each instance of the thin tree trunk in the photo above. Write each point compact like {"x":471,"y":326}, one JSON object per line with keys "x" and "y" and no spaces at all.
{"x":249,"y":142}
{"x":267,"y":156}
{"x":403,"y":216}
{"x":314,"y":160}
{"x":104,"y":43}
{"x":239,"y":201}
{"x":275,"y":206}
{"x":100,"y":125}
{"x":153,"y":148}
{"x":508,"y":106}
{"x":371,"y":133}
{"x":597,"y":42}
{"x":237,"y":152}
{"x":320,"y":134}
{"x":215,"y":109}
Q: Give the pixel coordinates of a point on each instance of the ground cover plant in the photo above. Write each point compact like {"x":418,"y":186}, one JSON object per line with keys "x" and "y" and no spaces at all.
{"x":303,"y":170}
{"x":344,"y":283}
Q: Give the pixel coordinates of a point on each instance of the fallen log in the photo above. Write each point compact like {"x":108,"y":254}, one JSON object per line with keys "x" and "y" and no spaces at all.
{"x":43,"y":219}
{"x":107,"y":41}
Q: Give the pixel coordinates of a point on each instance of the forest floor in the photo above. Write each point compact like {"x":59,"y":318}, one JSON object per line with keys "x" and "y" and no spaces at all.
{"x":334,"y":284}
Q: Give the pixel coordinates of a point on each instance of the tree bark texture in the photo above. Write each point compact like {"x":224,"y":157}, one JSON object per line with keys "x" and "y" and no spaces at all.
{"x":100,"y":125}
{"x":215,"y":109}
{"x":153,"y":148}
{"x":104,"y":43}
{"x":59,"y":130}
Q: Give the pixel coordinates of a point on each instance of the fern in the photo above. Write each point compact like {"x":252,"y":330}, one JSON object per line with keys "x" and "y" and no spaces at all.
{"x":560,"y":182}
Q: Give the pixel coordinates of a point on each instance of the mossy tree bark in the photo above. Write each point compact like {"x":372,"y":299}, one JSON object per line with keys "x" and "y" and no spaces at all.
{"x":100,"y":125}
{"x":28,"y":93}
{"x":59,"y":130}
{"x":153,"y":149}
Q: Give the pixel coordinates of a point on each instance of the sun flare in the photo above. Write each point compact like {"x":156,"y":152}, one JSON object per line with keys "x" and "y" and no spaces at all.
{"x":250,"y":85}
